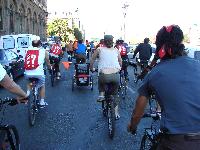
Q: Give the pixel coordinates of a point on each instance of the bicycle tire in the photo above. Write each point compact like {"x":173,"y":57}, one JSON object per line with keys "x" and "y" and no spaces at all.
{"x":12,"y":137}
{"x":146,"y":143}
{"x":73,"y":82}
{"x":111,"y":118}
{"x":91,"y":83}
{"x":32,"y":107}
{"x":104,"y":108}
{"x":52,"y":77}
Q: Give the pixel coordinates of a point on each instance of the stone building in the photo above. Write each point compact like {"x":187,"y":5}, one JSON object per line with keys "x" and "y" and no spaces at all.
{"x":23,"y":16}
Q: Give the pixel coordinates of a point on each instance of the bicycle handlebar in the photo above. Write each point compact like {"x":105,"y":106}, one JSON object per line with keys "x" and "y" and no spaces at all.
{"x":155,"y":116}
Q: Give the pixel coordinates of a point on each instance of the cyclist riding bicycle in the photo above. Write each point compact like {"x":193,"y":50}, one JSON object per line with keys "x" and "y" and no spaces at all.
{"x":145,"y":52}
{"x":11,"y":86}
{"x":55,"y":56}
{"x":175,"y":82}
{"x":34,"y":68}
{"x":80,"y":52}
{"x":123,"y":52}
{"x":109,"y":65}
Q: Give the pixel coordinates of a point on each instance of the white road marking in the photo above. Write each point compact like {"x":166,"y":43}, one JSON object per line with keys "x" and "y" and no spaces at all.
{"x":131,"y":90}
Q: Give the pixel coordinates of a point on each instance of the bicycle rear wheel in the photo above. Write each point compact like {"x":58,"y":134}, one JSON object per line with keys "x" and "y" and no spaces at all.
{"x":111,"y":118}
{"x":32,"y":109}
{"x":52,"y":77}
{"x":11,"y":140}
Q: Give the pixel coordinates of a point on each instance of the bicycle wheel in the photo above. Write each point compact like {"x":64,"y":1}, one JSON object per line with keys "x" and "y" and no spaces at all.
{"x":11,"y":141}
{"x":146,"y":143}
{"x":111,"y":118}
{"x":52,"y":77}
{"x":32,"y":109}
{"x":104,"y":108}
{"x":91,"y":83}
{"x":73,"y":82}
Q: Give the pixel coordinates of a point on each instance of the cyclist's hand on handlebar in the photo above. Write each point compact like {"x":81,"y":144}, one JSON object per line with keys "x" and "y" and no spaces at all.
{"x":22,"y":100}
{"x":131,"y":129}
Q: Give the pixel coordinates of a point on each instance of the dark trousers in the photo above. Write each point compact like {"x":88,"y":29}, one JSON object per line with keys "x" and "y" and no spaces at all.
{"x":56,"y":62}
{"x":179,"y":142}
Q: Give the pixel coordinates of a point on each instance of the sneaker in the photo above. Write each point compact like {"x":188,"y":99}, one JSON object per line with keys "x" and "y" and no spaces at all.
{"x":58,"y":74}
{"x":42,"y":103}
{"x":117,"y":117}
{"x":100,"y":99}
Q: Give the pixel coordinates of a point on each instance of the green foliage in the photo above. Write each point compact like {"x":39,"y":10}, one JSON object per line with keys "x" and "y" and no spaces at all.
{"x":77,"y":33}
{"x":59,"y":27}
{"x":186,"y":38}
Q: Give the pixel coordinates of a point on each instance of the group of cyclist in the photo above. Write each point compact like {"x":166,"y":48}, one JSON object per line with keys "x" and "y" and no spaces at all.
{"x":174,"y":81}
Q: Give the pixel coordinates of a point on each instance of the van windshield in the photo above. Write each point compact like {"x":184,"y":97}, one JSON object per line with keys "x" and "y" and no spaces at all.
{"x":9,"y":43}
{"x":23,"y":42}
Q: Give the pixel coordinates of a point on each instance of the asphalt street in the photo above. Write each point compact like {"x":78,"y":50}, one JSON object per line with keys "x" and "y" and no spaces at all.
{"x":73,"y":120}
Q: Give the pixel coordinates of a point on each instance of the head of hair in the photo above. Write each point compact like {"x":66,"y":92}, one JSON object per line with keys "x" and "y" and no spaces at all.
{"x":36,"y":43}
{"x":146,"y":40}
{"x":119,"y":41}
{"x":108,"y":41}
{"x":169,"y":38}
{"x":80,"y":41}
{"x":101,"y":41}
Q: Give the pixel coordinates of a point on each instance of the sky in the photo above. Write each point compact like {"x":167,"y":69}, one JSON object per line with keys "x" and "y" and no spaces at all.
{"x":143,"y":17}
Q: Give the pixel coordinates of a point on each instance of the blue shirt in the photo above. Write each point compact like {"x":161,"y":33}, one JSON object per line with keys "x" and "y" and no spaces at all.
{"x":176,"y":83}
{"x":81,"y":49}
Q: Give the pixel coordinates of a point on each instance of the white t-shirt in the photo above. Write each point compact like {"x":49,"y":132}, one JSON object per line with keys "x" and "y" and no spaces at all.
{"x":108,"y":60}
{"x":39,"y":71}
{"x":2,"y":72}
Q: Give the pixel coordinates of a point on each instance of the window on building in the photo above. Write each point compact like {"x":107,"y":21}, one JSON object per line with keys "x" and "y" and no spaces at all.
{"x":1,"y":18}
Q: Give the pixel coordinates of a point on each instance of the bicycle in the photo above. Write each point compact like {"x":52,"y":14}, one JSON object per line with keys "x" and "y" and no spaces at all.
{"x":151,"y":135}
{"x":53,"y":74}
{"x":143,"y":64}
{"x":33,"y":103}
{"x":123,"y":84}
{"x":9,"y":137}
{"x":108,"y":109}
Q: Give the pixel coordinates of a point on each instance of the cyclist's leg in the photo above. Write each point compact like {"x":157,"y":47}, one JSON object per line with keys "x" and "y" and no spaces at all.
{"x":114,"y":79}
{"x":57,"y":68}
{"x":101,"y":87}
{"x":41,"y":88}
{"x":28,"y":84}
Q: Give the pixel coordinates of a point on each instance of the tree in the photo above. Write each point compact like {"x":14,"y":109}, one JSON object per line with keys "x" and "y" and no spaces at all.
{"x":59,"y":27}
{"x":77,"y":33}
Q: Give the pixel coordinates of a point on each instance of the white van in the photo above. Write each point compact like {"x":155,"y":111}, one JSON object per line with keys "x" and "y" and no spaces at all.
{"x":193,"y":51}
{"x":18,"y":43}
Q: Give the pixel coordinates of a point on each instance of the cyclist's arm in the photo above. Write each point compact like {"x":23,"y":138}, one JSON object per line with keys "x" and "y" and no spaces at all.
{"x":138,"y":112}
{"x":47,"y":59}
{"x":94,"y":56}
{"x":136,"y":51}
{"x":11,"y":86}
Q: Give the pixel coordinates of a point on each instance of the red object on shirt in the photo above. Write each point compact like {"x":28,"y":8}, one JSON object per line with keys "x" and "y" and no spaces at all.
{"x":56,"y":49}
{"x":31,"y":59}
{"x":122,"y":50}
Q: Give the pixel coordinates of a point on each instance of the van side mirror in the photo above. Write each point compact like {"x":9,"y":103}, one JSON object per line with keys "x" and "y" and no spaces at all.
{"x":18,"y":51}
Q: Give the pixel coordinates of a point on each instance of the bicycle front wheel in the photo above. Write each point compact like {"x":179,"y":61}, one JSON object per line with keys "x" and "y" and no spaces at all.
{"x":32,"y":109}
{"x":111,"y":119}
{"x":146,"y":143}
{"x":12,"y":141}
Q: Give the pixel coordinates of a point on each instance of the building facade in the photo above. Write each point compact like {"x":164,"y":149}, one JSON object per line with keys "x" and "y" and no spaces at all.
{"x":23,"y":16}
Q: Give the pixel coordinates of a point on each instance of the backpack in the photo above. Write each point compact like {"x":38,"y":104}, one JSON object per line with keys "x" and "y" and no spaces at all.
{"x":31,"y":60}
{"x":122,"y":50}
{"x":56,"y":49}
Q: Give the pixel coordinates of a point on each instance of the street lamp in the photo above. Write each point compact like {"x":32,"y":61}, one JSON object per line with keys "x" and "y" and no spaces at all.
{"x":125,"y":7}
